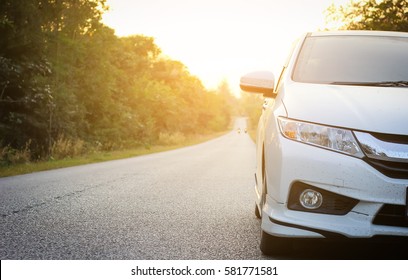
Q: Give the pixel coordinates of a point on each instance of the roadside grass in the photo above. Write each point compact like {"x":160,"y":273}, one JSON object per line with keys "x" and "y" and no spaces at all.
{"x":94,"y":157}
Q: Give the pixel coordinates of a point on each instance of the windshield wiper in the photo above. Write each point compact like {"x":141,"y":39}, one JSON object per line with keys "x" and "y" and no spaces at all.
{"x":374,"y":84}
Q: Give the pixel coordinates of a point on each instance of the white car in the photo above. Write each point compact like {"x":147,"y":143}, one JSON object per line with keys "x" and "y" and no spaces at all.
{"x":332,"y":141}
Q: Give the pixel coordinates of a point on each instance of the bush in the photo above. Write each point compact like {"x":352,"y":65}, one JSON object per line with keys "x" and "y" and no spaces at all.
{"x":10,"y":156}
{"x":166,"y":138}
{"x":64,"y":147}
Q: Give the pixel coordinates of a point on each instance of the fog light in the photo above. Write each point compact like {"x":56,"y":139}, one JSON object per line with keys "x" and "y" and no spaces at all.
{"x":311,"y":199}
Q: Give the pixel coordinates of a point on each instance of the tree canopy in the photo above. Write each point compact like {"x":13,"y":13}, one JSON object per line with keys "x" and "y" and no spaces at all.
{"x":64,"y":75}
{"x":388,"y":15}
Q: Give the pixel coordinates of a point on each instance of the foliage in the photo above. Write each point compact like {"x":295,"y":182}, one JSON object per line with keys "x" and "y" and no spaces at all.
{"x":64,"y":148}
{"x":9,"y":155}
{"x":251,"y":106}
{"x":95,"y":156}
{"x":390,"y":15}
{"x":68,"y":82}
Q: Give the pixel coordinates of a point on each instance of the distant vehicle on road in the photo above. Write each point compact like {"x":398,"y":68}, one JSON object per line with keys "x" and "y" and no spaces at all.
{"x":332,"y":141}
{"x":239,"y":130}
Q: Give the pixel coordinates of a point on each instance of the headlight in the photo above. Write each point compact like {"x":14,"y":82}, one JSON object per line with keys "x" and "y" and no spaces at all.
{"x":332,"y":138}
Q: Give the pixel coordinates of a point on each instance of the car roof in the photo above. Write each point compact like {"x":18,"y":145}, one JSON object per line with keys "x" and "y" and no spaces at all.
{"x":359,"y":33}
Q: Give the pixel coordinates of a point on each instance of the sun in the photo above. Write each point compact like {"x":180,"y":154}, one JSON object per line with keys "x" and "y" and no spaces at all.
{"x":220,"y":40}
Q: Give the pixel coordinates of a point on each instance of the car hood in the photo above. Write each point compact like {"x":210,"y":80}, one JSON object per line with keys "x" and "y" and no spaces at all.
{"x":375,"y":109}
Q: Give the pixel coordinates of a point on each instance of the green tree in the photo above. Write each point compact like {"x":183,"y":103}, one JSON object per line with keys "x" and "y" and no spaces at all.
{"x":66,"y":76}
{"x":25,"y":94}
{"x":38,"y":39}
{"x":390,"y":15}
{"x":72,"y":29}
{"x":251,"y":106}
{"x":230,"y":102}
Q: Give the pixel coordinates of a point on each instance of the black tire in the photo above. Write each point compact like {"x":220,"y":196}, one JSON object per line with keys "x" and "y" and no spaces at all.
{"x":257,"y":213}
{"x":272,"y":245}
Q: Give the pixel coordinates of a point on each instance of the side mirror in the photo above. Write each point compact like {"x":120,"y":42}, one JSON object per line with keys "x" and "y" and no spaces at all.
{"x":259,"y":82}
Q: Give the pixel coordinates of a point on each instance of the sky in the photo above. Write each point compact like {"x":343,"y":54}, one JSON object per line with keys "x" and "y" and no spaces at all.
{"x":220,"y":39}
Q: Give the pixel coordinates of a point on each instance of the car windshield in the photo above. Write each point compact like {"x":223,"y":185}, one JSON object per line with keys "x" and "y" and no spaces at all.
{"x":353,"y":60}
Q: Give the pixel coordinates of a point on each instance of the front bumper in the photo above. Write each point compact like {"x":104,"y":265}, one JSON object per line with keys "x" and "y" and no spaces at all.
{"x":279,"y":221}
{"x":333,"y":172}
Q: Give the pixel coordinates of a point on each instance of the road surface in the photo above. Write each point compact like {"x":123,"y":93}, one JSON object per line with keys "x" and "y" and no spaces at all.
{"x":191,"y":203}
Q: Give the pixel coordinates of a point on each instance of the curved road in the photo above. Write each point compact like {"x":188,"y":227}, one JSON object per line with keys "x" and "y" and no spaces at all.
{"x":191,"y":203}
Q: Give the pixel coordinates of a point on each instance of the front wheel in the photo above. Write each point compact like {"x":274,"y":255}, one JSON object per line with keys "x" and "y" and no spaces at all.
{"x":273,"y":245}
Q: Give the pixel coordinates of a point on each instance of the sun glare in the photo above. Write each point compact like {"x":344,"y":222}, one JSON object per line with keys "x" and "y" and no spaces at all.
{"x":220,"y":40}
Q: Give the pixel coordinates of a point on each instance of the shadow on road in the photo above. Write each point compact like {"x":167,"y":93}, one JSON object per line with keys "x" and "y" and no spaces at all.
{"x":348,"y":250}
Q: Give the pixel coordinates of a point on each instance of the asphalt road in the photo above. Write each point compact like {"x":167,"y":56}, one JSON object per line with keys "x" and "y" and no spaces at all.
{"x":191,"y":203}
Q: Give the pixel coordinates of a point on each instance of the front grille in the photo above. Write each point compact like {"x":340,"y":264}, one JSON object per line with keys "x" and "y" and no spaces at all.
{"x":391,"y":215}
{"x":391,"y":138}
{"x":387,"y":165}
{"x":397,"y":170}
